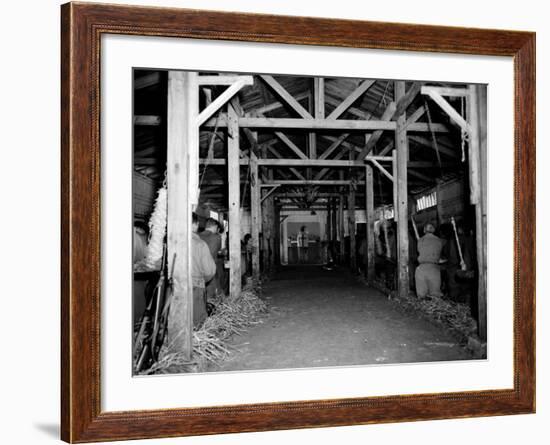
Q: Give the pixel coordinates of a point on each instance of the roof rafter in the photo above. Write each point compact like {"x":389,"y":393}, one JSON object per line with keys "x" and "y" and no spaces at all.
{"x":348,"y":101}
{"x":286,"y":96}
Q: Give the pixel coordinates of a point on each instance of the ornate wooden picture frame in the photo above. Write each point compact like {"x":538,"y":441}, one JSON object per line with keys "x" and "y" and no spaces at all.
{"x":82,"y":27}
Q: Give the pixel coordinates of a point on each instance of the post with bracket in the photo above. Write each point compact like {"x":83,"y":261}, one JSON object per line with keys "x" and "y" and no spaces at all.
{"x":351,"y":226}
{"x":401,"y":209}
{"x":233,"y":176}
{"x":255,"y":211}
{"x":369,"y":210}
{"x":182,"y":108}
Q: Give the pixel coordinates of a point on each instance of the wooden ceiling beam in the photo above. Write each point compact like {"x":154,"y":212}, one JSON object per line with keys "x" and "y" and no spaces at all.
{"x":348,"y":101}
{"x":293,"y":170}
{"x":335,"y":144}
{"x":418,"y":113}
{"x":386,"y":117}
{"x":312,"y":182}
{"x":291,"y":145}
{"x":316,"y":124}
{"x":225,"y":79}
{"x":447,"y":107}
{"x":286,"y":96}
{"x":273,"y":106}
{"x":282,"y":162}
{"x":223,"y":98}
{"x":352,"y":110}
{"x":399,"y":108}
{"x":319,"y":97}
{"x":407,"y":99}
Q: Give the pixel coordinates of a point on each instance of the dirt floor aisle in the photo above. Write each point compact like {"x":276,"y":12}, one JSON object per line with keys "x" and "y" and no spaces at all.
{"x":327,"y":318}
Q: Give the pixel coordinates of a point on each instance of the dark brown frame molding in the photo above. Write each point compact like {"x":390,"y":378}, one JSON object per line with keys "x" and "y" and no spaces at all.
{"x":81,"y":27}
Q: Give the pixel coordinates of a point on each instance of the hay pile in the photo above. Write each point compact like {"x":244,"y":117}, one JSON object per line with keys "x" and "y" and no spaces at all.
{"x":232,"y":316}
{"x":456,"y":317}
{"x":157,"y":231}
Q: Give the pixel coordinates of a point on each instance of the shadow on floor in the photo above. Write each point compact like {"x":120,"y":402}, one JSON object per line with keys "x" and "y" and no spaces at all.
{"x":49,"y":429}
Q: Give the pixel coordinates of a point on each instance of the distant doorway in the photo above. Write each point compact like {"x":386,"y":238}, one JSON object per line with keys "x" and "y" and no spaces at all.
{"x":304,"y":243}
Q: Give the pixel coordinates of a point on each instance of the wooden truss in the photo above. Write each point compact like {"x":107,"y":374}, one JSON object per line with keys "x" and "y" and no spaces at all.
{"x":392,"y":160}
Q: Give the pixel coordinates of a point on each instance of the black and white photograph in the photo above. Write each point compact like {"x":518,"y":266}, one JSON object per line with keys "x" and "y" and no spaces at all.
{"x":287,"y":221}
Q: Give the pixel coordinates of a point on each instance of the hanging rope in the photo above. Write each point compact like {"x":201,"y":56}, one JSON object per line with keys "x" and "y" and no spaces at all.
{"x":434,"y":139}
{"x":383,"y":98}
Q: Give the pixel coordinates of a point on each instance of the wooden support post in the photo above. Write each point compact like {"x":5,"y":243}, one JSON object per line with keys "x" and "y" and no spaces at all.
{"x":334,"y":226}
{"x":328,"y":222}
{"x":192,"y":135}
{"x":476,"y":180}
{"x":233,"y":177}
{"x":277,"y":235}
{"x":401,"y":209}
{"x":267,"y":229}
{"x":341,"y":228}
{"x":439,"y":205}
{"x":256,"y":220}
{"x":394,"y":185}
{"x":369,"y":210}
{"x":270,"y":233}
{"x":328,"y":231}
{"x":180,"y":120}
{"x":268,"y":222}
{"x":351,"y":220}
{"x":482,"y":107}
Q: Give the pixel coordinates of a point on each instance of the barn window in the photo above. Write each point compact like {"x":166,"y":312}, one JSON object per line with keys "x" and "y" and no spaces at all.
{"x":426,"y":201}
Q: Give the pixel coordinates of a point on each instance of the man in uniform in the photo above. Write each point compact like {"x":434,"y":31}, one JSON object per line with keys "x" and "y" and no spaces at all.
{"x":203,"y":269}
{"x":428,"y":275}
{"x":213,"y":240}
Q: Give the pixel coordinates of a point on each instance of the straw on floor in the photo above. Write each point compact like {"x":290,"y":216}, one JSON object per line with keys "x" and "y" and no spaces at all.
{"x":211,"y":347}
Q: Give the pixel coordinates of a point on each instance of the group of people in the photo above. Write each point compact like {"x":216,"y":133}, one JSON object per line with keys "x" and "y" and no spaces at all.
{"x":207,"y":266}
{"x":440,"y":266}
{"x":208,"y":256}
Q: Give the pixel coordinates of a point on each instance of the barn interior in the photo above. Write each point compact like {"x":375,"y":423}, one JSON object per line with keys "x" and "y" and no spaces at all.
{"x":360,"y":165}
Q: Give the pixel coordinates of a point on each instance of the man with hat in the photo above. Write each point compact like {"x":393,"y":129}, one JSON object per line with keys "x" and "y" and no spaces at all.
{"x":428,"y":274}
{"x":210,"y":235}
{"x":203,"y":269}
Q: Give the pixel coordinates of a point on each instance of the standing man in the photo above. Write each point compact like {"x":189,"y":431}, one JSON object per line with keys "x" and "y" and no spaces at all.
{"x":428,"y":275}
{"x":303,"y":244}
{"x":203,"y":270}
{"x":213,"y":240}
